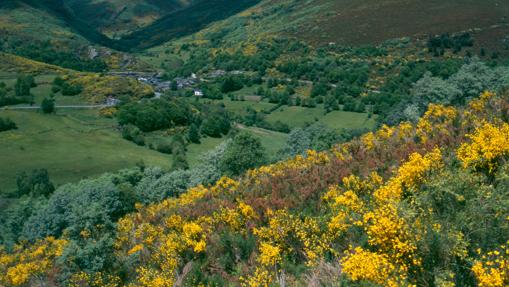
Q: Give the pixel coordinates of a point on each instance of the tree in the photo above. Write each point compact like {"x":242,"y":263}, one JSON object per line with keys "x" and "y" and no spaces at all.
{"x":179,"y":153}
{"x":22,"y":86}
{"x":319,"y":89}
{"x":216,"y":124}
{"x":70,"y":89}
{"x":317,"y":136}
{"x":36,"y":183}
{"x":76,"y":207}
{"x":231,"y":84}
{"x":245,"y":152}
{"x":134,"y":134}
{"x":433,"y":90}
{"x":157,"y":185}
{"x":331,"y":103}
{"x":472,"y":79}
{"x":193,"y":134}
{"x":174,"y":85}
{"x":48,"y":106}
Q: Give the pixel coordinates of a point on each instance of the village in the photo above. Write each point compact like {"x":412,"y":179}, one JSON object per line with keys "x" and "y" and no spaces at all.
{"x":161,"y":85}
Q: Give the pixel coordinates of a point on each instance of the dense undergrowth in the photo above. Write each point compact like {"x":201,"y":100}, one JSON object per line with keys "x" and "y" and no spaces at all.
{"x":420,"y":204}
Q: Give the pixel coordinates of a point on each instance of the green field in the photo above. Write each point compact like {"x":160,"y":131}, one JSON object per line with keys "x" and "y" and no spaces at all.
{"x":296,"y":116}
{"x":240,"y":107}
{"x":43,"y":89}
{"x":300,"y":116}
{"x":271,"y":141}
{"x":71,"y":145}
{"x":76,"y":144}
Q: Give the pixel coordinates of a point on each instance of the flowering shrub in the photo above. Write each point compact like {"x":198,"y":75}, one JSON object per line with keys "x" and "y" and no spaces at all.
{"x":488,"y":145}
{"x":361,"y":264}
{"x":30,"y":263}
{"x":492,"y":270}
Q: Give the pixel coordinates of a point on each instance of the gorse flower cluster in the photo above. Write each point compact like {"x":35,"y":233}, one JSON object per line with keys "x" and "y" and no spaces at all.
{"x":492,"y":270}
{"x":489,"y":144}
{"x":410,"y":205}
{"x":30,"y":263}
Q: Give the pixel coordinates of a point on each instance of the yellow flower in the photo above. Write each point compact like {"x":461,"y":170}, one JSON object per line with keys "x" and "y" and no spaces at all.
{"x":488,"y":144}
{"x":269,"y":255}
{"x":365,"y":265}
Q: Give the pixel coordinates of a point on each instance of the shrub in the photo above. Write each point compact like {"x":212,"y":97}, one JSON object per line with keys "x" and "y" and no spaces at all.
{"x":70,"y":89}
{"x":243,"y":153}
{"x":48,"y":106}
{"x":132,"y":133}
{"x":164,"y":148}
{"x":7,"y":124}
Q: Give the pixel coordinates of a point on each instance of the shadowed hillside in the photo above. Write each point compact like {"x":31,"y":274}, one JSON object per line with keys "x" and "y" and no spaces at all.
{"x":185,"y":22}
{"x":180,"y":23}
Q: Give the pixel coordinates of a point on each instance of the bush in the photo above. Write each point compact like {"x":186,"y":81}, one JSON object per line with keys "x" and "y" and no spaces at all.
{"x":48,"y":106}
{"x":7,"y":124}
{"x":70,"y":89}
{"x":164,"y":148}
{"x":245,"y":152}
{"x":157,"y":185}
{"x":134,"y":134}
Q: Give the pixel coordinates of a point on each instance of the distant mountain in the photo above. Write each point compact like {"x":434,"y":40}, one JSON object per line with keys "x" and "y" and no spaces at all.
{"x":129,"y":25}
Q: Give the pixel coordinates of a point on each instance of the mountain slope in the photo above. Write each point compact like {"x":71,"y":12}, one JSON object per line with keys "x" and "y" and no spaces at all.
{"x":371,"y":21}
{"x":350,"y":22}
{"x":114,"y":17}
{"x":184,"y":22}
{"x":140,"y":24}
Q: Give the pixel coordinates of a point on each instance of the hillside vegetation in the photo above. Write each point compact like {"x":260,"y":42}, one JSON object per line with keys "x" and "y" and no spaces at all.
{"x":407,"y":205}
{"x":139,"y":24}
{"x":254,"y":143}
{"x":350,"y":22}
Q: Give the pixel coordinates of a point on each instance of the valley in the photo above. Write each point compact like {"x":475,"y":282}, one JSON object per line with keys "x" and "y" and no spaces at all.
{"x":254,"y":143}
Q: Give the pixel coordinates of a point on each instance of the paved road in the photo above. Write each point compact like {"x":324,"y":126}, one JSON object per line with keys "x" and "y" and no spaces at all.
{"x":57,"y":107}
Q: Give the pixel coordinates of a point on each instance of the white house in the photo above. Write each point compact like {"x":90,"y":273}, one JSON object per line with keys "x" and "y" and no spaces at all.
{"x":198,"y":93}
{"x":111,"y":101}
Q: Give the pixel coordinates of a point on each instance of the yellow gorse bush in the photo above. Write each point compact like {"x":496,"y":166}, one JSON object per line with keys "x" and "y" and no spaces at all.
{"x":387,"y":232}
{"x":32,"y":263}
{"x":493,"y":268}
{"x":437,"y":120}
{"x":409,"y":175}
{"x":489,"y":143}
{"x":361,"y":264}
